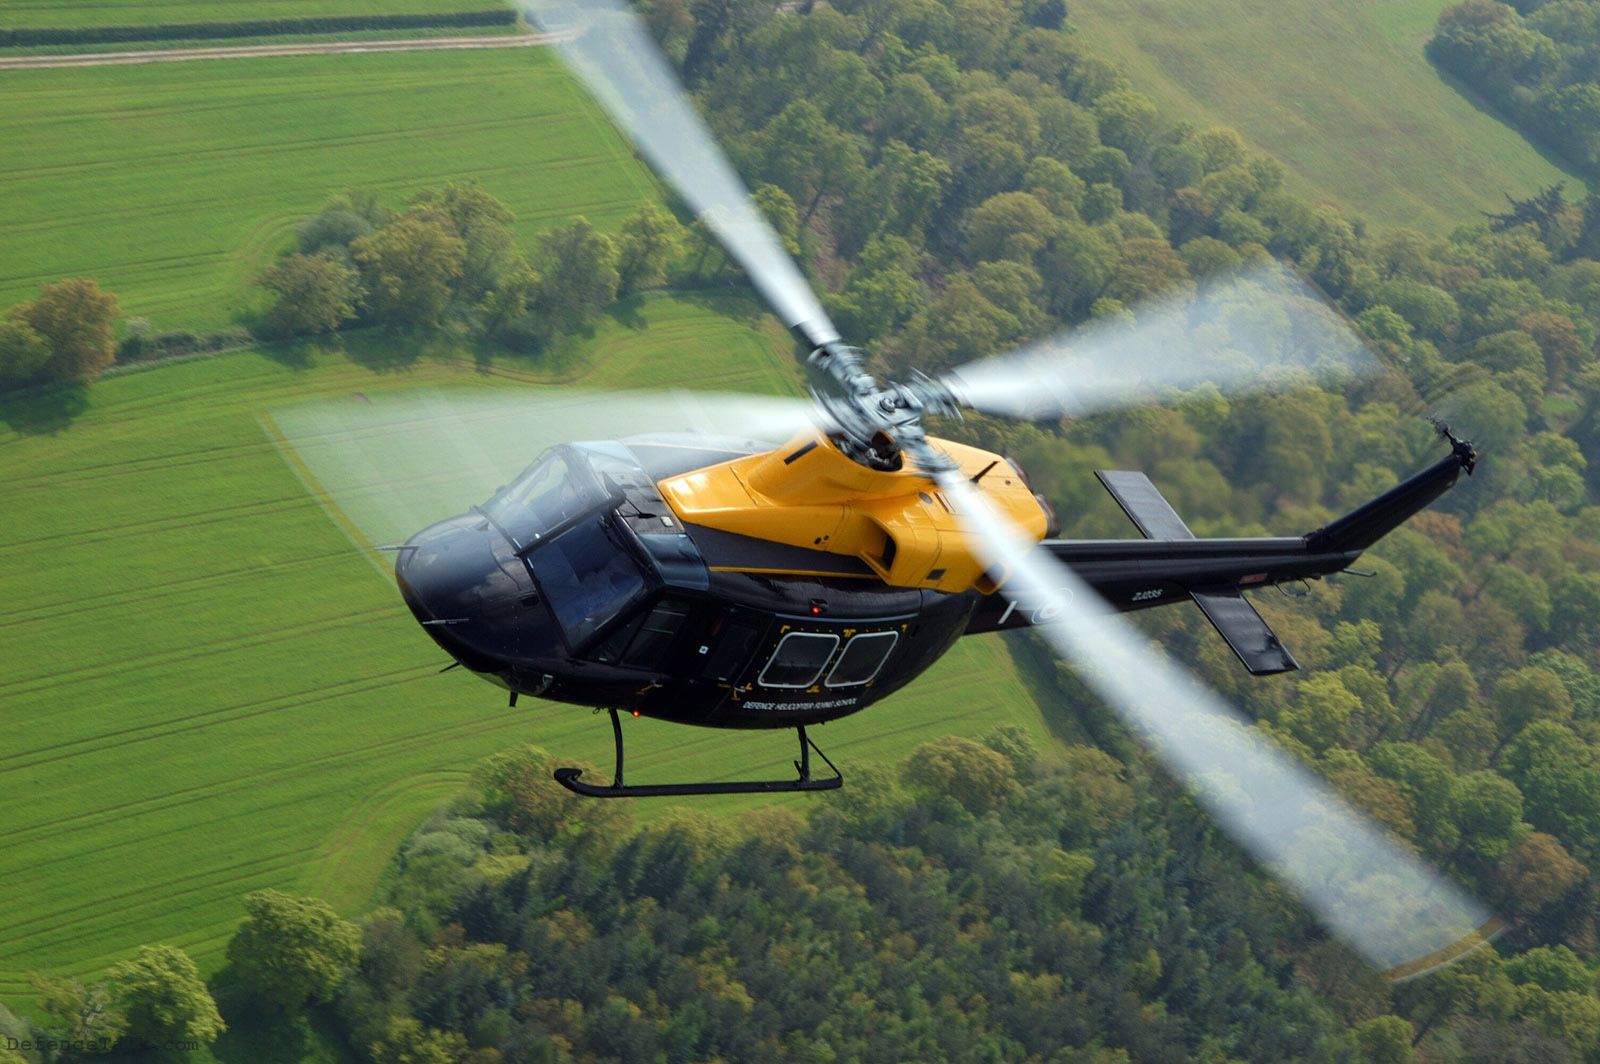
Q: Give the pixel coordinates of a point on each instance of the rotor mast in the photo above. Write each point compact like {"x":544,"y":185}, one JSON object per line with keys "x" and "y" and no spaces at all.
{"x":875,"y":424}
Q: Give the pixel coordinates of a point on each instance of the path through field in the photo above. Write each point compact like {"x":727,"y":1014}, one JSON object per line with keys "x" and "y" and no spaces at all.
{"x":267,"y":51}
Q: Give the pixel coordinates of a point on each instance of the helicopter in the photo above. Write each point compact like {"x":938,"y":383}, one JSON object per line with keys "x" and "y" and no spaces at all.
{"x":713,"y":579}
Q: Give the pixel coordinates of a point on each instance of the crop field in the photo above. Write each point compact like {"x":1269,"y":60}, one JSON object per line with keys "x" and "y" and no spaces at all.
{"x":207,"y":690}
{"x":20,"y":14}
{"x":1341,"y":93}
{"x":174,"y":184}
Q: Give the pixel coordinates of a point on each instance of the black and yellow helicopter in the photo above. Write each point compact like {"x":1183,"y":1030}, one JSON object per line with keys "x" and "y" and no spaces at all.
{"x":714,"y":580}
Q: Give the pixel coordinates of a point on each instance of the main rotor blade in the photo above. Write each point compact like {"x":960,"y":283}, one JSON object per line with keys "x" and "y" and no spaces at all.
{"x":608,"y":47}
{"x":1261,"y":329}
{"x":1397,"y":913}
{"x":387,"y":466}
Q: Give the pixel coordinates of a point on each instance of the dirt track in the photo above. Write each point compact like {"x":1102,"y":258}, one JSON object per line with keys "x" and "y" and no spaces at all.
{"x":182,"y":55}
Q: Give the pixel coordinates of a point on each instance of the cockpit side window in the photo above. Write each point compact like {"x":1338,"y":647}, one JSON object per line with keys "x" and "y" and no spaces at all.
{"x":643,"y":643}
{"x":799,"y":659}
{"x":862,"y":659}
{"x":588,"y":577}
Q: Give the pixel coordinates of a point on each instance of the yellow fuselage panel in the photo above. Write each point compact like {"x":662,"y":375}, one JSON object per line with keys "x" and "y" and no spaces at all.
{"x":808,"y":494}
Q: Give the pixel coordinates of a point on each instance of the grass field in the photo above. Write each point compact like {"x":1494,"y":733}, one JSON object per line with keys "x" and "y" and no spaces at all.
{"x":205,"y":690}
{"x":1340,"y":92}
{"x":19,"y":14}
{"x":173,"y":184}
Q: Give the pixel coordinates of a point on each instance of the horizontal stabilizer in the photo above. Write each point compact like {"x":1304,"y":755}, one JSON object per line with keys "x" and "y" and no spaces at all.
{"x":1142,"y":503}
{"x":1238,"y":622}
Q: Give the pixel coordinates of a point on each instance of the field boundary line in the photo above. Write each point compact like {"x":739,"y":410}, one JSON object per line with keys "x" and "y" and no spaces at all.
{"x":256,"y":51}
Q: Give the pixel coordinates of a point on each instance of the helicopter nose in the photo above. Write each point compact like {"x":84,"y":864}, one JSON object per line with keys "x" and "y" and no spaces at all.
{"x":470,"y":592}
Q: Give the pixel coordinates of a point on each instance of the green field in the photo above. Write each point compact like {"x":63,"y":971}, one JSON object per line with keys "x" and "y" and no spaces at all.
{"x":18,"y":14}
{"x":1340,"y":92}
{"x":206,"y":690}
{"x":173,"y":184}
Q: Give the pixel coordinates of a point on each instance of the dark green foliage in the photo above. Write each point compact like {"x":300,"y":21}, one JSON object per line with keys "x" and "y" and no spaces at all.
{"x":75,"y":320}
{"x":23,"y":353}
{"x":1060,"y":925}
{"x":290,"y":951}
{"x":142,"y":344}
{"x":411,"y":267}
{"x":160,"y":994}
{"x":315,"y":294}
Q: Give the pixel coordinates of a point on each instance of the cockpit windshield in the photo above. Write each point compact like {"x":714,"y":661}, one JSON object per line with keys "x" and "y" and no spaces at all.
{"x":556,"y":515}
{"x":553,"y":490}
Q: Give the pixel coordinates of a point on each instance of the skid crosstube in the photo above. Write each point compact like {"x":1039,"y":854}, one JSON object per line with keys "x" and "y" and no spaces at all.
{"x":570,"y":777}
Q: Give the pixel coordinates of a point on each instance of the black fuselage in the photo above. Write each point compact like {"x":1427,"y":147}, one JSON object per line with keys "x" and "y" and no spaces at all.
{"x":612,"y":602}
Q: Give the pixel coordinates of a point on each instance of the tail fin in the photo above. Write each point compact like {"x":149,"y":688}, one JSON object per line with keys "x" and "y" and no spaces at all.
{"x":1370,"y":522}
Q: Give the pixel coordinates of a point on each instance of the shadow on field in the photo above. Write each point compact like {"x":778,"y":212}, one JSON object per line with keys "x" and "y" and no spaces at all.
{"x":629,"y":312}
{"x":728,"y":301}
{"x":1484,"y":106}
{"x":44,"y":410}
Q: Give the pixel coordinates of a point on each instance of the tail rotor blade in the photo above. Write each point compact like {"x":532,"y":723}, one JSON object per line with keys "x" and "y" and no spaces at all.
{"x":1260,"y":330}
{"x":1397,"y":913}
{"x":609,"y":48}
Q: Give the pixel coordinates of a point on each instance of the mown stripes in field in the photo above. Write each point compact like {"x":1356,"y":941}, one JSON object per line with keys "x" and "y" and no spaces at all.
{"x":174,"y":184}
{"x":205,"y":690}
{"x":1341,"y":93}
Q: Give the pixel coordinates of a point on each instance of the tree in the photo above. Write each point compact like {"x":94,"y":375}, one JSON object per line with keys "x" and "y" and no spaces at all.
{"x":1560,"y":784}
{"x":316,"y":294}
{"x":75,"y":319}
{"x":883,"y":290}
{"x":974,"y":775}
{"x":345,"y":218}
{"x":809,"y":157}
{"x":1127,"y":119}
{"x":516,"y":790}
{"x":482,"y":222}
{"x":1489,"y":812}
{"x":1537,"y":872}
{"x":1561,"y":341}
{"x":579,"y":275}
{"x":411,"y":267}
{"x":961,"y":324}
{"x":164,"y":999}
{"x":407,"y":1041}
{"x":1386,"y":1040}
{"x":1077,"y":266}
{"x":1508,"y":351}
{"x":649,"y":242}
{"x":1429,"y":785}
{"x":23,"y":352}
{"x":1147,"y":268}
{"x":292,"y":950}
{"x":1553,"y":968}
{"x":1527,"y":695}
{"x":79,"y":1013}
{"x":1012,"y":225}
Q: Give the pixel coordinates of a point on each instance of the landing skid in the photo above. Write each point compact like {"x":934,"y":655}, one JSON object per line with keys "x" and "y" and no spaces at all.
{"x":568,"y":777}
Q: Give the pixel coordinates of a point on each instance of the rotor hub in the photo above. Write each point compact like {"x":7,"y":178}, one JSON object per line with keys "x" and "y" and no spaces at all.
{"x":875,"y":424}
